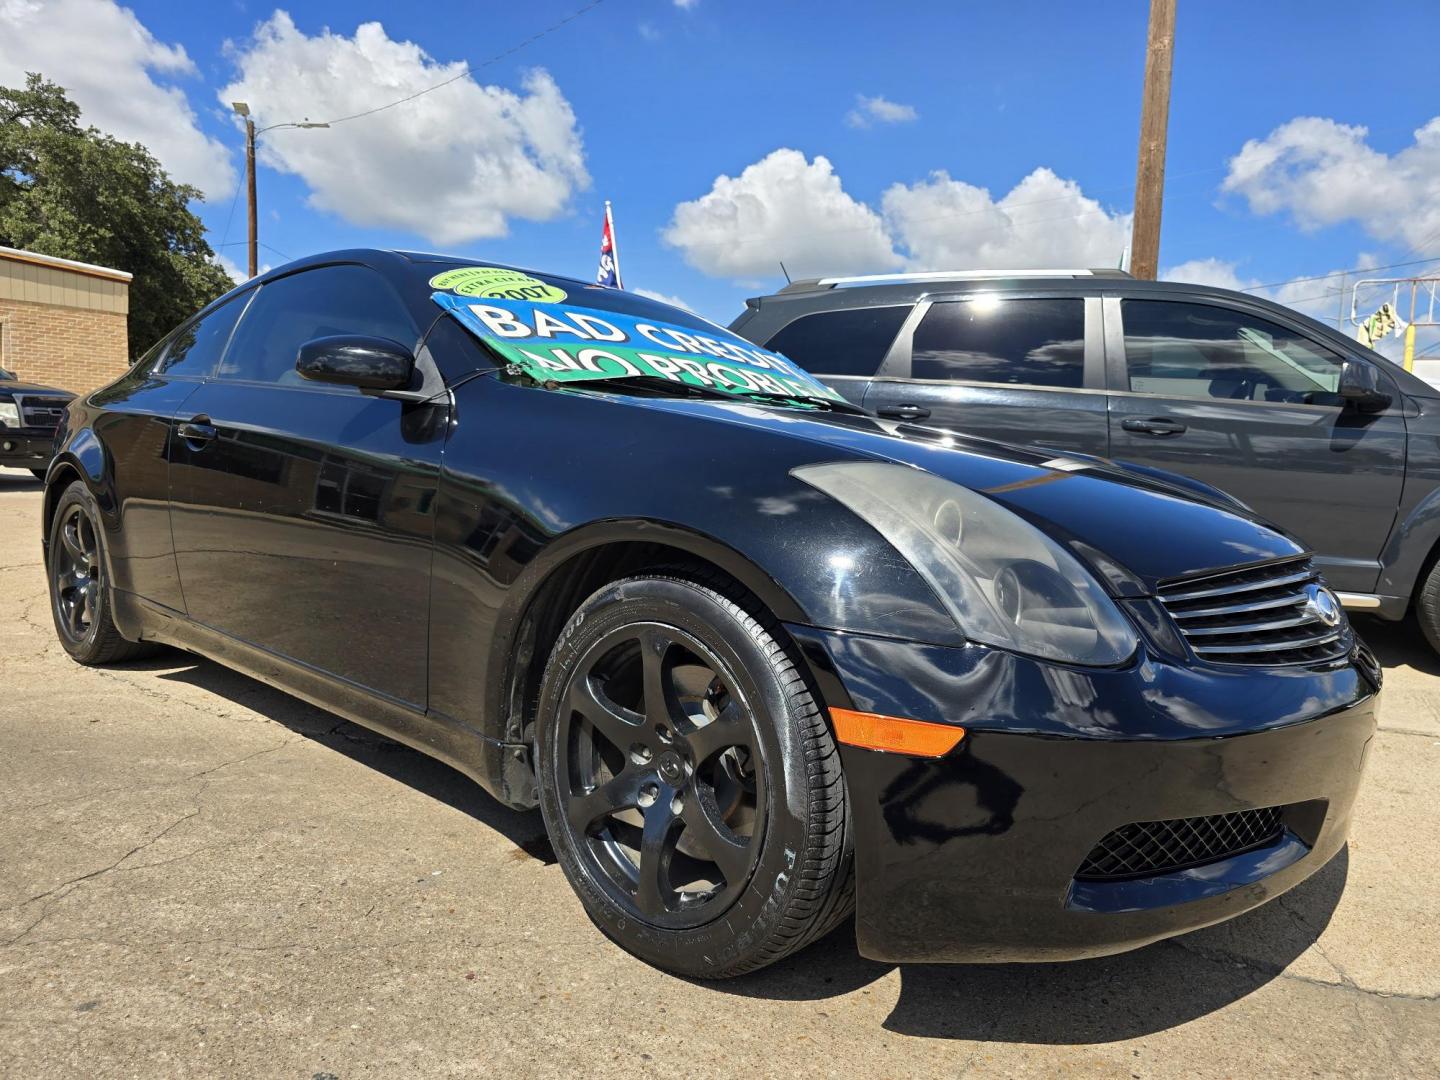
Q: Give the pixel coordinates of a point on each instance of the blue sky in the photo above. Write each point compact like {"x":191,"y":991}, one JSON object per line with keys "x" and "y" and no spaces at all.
{"x":648,"y":102}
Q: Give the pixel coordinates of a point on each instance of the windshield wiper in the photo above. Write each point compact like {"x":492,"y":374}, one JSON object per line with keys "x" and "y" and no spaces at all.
{"x":690,"y":390}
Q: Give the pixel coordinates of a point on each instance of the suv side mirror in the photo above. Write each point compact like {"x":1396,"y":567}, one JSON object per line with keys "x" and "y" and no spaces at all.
{"x":371,"y":363}
{"x":1360,"y":386}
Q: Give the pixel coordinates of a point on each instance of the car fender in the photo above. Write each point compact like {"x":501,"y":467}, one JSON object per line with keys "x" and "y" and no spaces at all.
{"x":1407,"y":552}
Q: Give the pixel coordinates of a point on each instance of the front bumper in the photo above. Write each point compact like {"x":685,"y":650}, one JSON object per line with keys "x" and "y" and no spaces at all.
{"x":972,"y":857}
{"x":26,"y":449}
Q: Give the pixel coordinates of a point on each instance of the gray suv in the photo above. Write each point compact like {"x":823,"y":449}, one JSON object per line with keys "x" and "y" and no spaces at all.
{"x":1313,"y":431}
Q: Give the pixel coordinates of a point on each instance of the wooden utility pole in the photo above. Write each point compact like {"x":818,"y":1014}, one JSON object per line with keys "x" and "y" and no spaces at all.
{"x":250,"y":193}
{"x":1154,"y":119}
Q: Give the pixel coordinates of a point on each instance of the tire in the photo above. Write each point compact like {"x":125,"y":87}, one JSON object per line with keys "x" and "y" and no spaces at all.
{"x":79,"y":595}
{"x":707,"y":835}
{"x":1427,"y":606}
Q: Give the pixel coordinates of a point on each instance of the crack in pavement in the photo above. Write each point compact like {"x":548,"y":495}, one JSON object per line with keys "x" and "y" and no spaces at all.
{"x":1276,"y":971}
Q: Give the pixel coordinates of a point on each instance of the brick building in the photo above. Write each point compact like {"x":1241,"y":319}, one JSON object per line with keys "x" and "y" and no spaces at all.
{"x":62,"y":323}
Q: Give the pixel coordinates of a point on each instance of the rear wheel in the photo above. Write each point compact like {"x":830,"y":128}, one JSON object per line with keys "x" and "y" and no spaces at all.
{"x":689,"y":784}
{"x":79,"y":598}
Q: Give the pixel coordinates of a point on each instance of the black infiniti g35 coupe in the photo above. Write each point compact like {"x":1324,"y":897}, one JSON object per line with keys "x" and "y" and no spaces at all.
{"x":759,"y":658}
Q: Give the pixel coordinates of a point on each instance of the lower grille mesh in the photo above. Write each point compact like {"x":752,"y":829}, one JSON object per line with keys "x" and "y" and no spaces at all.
{"x":1147,"y":848}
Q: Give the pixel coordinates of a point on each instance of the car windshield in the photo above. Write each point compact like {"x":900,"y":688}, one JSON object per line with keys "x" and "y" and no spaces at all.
{"x":559,"y":331}
{"x":8,"y":376}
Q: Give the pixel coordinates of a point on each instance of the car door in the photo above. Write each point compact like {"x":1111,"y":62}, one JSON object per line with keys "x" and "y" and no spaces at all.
{"x":303,"y":512}
{"x":1248,"y":403}
{"x":1025,"y":369}
{"x":133,"y":419}
{"x":844,"y":347}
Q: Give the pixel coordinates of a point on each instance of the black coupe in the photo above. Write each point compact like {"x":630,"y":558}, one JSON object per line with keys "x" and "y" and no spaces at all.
{"x":761,"y":659}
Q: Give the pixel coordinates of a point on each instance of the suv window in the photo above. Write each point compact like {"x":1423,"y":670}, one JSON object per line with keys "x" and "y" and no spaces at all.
{"x":315,"y":303}
{"x":194,"y":349}
{"x":1023,"y":341}
{"x":1198,"y":350}
{"x":850,"y":342}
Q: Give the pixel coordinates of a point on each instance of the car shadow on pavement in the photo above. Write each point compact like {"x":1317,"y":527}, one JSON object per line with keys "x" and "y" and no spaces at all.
{"x":1398,"y":644}
{"x":394,"y":759}
{"x":1084,"y":1001}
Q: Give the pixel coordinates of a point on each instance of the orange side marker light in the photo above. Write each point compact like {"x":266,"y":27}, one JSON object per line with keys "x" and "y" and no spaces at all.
{"x":894,"y":734}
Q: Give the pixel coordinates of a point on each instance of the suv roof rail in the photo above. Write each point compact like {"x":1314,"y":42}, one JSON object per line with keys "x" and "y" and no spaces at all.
{"x":816,"y":284}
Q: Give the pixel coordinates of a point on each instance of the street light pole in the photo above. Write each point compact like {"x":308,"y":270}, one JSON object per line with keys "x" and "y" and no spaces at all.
{"x":243,"y":109}
{"x":254,"y":264}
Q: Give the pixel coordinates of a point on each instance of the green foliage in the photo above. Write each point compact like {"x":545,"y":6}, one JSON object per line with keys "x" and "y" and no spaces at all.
{"x":76,"y":193}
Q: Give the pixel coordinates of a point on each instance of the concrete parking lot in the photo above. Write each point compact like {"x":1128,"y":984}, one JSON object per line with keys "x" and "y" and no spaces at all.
{"x":202,"y":876}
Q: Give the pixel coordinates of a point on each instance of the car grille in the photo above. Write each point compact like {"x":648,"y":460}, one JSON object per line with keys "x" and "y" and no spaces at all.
{"x":1270,"y":614}
{"x":40,"y":412}
{"x":1147,"y":848}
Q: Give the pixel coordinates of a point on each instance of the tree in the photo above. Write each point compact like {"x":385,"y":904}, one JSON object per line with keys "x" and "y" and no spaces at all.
{"x":76,"y":193}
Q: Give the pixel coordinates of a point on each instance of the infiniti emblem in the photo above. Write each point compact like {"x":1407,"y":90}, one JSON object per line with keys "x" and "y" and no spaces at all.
{"x":1321,"y":603}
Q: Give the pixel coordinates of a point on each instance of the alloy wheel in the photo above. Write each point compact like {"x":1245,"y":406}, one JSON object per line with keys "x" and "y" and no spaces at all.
{"x":76,"y":571}
{"x":661,"y":774}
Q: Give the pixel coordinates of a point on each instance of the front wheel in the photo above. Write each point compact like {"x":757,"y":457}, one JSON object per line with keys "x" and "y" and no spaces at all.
{"x":688,"y":781}
{"x":1427,"y":606}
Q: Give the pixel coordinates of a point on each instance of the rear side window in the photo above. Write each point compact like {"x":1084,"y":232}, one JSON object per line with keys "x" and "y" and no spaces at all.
{"x":851,"y":342}
{"x":313,"y":303}
{"x":194,"y":350}
{"x":1023,"y":341}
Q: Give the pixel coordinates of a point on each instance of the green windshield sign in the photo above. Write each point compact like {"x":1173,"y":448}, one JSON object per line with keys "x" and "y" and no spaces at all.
{"x":559,"y":343}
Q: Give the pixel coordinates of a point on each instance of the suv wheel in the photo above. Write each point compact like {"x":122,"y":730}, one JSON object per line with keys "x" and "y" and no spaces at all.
{"x":79,"y":598}
{"x":1427,"y":606}
{"x":689,"y":784}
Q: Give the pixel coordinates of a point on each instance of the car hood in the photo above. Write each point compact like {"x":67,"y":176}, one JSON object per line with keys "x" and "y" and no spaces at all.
{"x":7,"y":388}
{"x":1134,"y":528}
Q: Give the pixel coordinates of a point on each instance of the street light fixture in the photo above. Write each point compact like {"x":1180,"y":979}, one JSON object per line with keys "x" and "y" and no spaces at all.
{"x":242,"y":109}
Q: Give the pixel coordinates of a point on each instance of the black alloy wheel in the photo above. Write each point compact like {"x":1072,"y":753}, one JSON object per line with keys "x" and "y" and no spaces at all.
{"x":79,"y":600}
{"x":664,"y":794}
{"x":75,"y":573}
{"x":689,"y":783}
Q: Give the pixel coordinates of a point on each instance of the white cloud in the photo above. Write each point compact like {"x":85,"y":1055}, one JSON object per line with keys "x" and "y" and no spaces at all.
{"x":879,"y":110}
{"x":1321,"y":296}
{"x":108,"y":61}
{"x":452,"y":166}
{"x":1323,"y":172}
{"x":664,"y":298}
{"x":783,"y":207}
{"x":1044,"y":221}
{"x":686,"y":5}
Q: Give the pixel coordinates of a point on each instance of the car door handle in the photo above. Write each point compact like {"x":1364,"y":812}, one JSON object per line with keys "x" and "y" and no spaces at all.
{"x":198,"y":430}
{"x":1156,"y":425}
{"x":903,"y":412}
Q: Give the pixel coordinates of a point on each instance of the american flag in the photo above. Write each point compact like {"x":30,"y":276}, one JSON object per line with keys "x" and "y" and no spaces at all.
{"x":609,"y":272}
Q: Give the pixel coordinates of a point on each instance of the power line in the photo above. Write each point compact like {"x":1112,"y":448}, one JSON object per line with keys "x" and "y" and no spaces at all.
{"x":1339,"y":273}
{"x":469,"y":68}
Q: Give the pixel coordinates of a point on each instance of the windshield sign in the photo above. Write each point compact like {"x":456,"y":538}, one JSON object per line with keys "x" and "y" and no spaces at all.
{"x":564,"y":343}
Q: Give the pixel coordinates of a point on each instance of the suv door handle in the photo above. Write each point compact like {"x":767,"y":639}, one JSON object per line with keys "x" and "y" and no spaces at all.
{"x":198,"y":430}
{"x":903,"y":412}
{"x":1156,"y":425}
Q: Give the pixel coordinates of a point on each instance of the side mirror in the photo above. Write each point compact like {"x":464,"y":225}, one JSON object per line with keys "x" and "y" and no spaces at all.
{"x":1360,"y":387}
{"x":371,"y":363}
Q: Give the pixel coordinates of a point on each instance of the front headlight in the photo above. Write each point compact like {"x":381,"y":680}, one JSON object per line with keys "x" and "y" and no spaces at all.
{"x":9,"y":414}
{"x":1003,"y":581}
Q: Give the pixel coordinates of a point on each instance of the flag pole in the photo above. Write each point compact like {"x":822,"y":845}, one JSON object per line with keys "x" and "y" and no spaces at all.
{"x":614,"y":245}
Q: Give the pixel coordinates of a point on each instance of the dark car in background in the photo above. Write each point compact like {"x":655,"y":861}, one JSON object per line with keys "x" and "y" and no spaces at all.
{"x":29,"y":417}
{"x":759,"y":658}
{"x":1316,"y":433}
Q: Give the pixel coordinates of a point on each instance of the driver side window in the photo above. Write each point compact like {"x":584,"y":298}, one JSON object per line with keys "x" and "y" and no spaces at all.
{"x":1197,"y":350}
